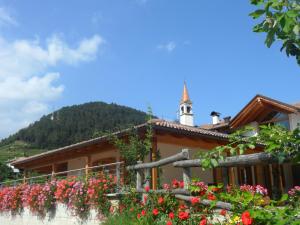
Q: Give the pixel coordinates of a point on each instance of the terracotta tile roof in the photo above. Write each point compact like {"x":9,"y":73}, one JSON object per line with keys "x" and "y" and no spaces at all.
{"x":197,"y":130}
{"x":297,"y":105}
{"x":214,"y":126}
{"x":156,"y":123}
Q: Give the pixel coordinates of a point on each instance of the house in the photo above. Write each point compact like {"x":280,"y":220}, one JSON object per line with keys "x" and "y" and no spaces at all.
{"x":171,"y":137}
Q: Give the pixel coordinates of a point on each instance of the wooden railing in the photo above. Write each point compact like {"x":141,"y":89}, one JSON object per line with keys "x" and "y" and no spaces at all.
{"x":182,"y":160}
{"x":115,"y":169}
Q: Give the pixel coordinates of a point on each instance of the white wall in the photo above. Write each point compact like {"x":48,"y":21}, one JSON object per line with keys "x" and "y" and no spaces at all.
{"x":170,"y":172}
{"x":62,"y":217}
{"x":294,"y":120}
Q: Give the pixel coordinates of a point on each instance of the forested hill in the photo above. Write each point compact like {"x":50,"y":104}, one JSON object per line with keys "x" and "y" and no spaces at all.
{"x":76,"y":123}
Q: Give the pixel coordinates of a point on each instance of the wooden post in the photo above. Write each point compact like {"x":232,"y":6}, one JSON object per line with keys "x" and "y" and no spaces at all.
{"x":288,"y":176}
{"x":187,"y":177}
{"x":53,"y":171}
{"x":253,"y":175}
{"x":225,"y":176}
{"x":146,"y":183}
{"x":24,"y":177}
{"x":154,"y":158}
{"x":147,"y":178}
{"x":139,"y":177}
{"x":118,"y":176}
{"x":87,"y":165}
{"x":187,"y":173}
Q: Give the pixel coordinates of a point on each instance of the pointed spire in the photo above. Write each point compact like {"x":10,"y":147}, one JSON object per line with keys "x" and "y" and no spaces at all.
{"x":185,"y":95}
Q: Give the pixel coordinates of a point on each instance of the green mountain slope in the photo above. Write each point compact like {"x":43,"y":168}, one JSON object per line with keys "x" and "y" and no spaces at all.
{"x":68,"y":126}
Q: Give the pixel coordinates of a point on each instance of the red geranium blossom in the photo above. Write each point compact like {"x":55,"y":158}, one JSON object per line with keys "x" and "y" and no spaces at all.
{"x":183,"y":215}
{"x":147,"y":188}
{"x":195,"y":200}
{"x":203,"y":222}
{"x":169,"y":223}
{"x":171,"y":215}
{"x":160,"y":200}
{"x":143,"y":213}
{"x":211,"y":197}
{"x":223,"y":212}
{"x":155,"y":212}
{"x":246,"y":219}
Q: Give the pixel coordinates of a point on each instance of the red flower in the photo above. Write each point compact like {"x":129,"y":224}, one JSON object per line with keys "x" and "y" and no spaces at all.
{"x":155,"y":212}
{"x":246,"y":219}
{"x":211,"y":197}
{"x":171,"y":215}
{"x":181,"y":184}
{"x":203,"y":222}
{"x":183,"y":215}
{"x":223,"y":212}
{"x":175,"y":183}
{"x":182,"y":206}
{"x":169,"y":223}
{"x":195,"y":200}
{"x":160,"y":200}
{"x":143,"y":213}
{"x":138,"y":216}
{"x":147,"y":188}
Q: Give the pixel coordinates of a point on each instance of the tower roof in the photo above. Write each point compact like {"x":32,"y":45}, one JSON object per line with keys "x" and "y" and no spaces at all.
{"x":185,"y":95}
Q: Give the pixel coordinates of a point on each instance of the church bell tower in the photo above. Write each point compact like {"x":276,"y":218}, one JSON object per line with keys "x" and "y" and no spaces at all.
{"x":186,"y":106}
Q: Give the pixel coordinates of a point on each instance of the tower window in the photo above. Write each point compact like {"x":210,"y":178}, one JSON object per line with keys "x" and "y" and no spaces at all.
{"x":182,"y":109}
{"x":188,"y":109}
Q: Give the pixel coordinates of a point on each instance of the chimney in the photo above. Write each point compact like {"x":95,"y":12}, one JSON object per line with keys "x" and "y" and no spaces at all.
{"x":227,"y":119}
{"x":215,"y":117}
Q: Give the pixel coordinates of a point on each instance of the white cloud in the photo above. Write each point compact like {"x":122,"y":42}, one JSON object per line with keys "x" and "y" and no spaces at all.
{"x":6,"y":18}
{"x":27,"y":85}
{"x":169,"y":47}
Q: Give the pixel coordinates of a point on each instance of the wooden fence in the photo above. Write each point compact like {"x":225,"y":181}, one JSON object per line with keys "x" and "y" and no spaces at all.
{"x":182,"y":160}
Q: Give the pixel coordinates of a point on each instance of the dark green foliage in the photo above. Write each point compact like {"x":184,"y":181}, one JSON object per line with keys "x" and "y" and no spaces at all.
{"x":280,"y":20}
{"x":76,"y":123}
{"x":5,"y":172}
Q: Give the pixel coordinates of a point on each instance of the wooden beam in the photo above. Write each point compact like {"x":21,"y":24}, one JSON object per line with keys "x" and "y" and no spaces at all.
{"x":240,"y":160}
{"x":184,"y":154}
{"x":218,"y":204}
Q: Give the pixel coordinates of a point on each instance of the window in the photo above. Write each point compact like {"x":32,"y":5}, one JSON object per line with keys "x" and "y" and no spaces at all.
{"x":282,"y":119}
{"x":188,"y":109}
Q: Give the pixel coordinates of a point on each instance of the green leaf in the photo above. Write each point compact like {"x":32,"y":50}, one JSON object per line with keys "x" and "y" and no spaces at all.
{"x":292,"y":13}
{"x":214,"y":162}
{"x":270,"y":38}
{"x":296,"y":29}
{"x":256,"y":14}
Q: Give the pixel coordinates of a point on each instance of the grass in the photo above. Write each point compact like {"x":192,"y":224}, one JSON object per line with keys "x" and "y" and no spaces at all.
{"x":17,"y":149}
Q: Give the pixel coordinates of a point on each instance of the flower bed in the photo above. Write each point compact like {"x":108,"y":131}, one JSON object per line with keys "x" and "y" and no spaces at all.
{"x":79,"y":196}
{"x":250,"y":205}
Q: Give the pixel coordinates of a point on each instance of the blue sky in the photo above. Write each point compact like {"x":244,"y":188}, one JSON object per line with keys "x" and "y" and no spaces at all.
{"x":135,"y":53}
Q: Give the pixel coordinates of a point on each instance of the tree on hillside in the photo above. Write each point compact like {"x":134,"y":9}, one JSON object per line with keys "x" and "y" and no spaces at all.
{"x":280,"y":20}
{"x":5,"y":172}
